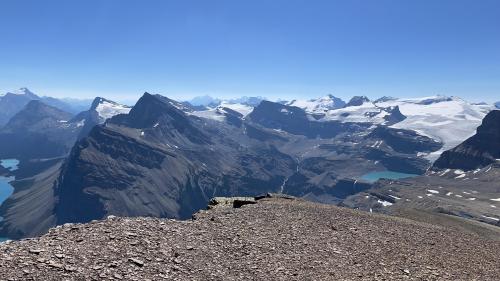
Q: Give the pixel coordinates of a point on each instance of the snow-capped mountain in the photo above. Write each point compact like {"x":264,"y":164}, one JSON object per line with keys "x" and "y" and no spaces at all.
{"x":497,"y":105}
{"x":450,"y":120}
{"x":218,"y":109}
{"x":319,"y":105}
{"x":478,"y":151}
{"x":23,"y":92}
{"x":12,"y":102}
{"x":219,"y":112}
{"x":362,"y":110}
{"x":210,"y":102}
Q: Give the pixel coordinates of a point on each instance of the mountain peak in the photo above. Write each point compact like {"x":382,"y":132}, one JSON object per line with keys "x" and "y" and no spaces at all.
{"x":23,"y":92}
{"x":35,"y":111}
{"x":149,"y":108}
{"x":385,"y":99}
{"x":357,"y":101}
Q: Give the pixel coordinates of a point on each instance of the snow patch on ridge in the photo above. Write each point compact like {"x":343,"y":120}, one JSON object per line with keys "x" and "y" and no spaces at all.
{"x":107,"y":109}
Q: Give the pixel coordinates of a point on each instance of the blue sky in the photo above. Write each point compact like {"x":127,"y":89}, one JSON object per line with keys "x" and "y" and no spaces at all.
{"x":273,"y":48}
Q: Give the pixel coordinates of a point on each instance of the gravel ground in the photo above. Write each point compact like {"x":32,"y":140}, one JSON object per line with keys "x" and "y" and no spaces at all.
{"x":275,"y":239}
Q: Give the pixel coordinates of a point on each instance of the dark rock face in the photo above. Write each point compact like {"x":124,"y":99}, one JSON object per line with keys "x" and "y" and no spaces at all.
{"x":394,"y":115}
{"x":38,"y":131}
{"x":89,"y":118}
{"x":384,"y":99}
{"x":232,"y":117}
{"x":435,"y":100}
{"x":405,"y":141}
{"x":479,"y":150}
{"x":357,"y":101}
{"x":295,"y":121}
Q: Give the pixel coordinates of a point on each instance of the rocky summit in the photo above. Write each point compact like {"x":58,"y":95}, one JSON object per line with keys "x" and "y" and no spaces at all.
{"x":263,"y":238}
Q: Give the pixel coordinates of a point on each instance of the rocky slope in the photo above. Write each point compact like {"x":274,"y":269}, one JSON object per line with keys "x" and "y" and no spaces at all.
{"x":477,"y":151}
{"x":273,"y":239}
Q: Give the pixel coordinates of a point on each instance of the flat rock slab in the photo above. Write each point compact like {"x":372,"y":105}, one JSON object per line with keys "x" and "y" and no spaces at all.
{"x":273,"y":239}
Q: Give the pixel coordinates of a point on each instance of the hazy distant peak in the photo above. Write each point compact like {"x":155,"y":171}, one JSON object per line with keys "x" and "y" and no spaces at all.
{"x":250,"y":101}
{"x":321,"y":104}
{"x":23,"y":92}
{"x":204,"y":101}
{"x":385,"y":99}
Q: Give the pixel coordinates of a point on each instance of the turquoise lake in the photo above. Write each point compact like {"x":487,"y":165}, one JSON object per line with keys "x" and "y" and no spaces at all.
{"x":374,"y":176}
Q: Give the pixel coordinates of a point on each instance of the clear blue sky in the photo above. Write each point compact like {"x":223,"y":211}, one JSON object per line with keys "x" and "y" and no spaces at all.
{"x":272,"y":48}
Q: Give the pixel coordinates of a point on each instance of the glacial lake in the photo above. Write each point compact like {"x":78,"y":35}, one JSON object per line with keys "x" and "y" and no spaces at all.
{"x":374,"y":176}
{"x":5,"y":188}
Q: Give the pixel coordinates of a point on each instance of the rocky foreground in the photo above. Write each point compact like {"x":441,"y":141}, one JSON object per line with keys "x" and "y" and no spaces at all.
{"x":273,"y":239}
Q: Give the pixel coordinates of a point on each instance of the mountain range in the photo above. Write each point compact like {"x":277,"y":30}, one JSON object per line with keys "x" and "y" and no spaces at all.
{"x":12,"y":102}
{"x":165,"y":158}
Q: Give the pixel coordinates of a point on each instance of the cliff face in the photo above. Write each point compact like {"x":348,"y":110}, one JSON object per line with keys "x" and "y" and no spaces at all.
{"x":479,"y":150}
{"x":263,"y":239}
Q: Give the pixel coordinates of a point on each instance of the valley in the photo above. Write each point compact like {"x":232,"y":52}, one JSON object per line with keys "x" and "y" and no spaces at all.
{"x":165,"y":158}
